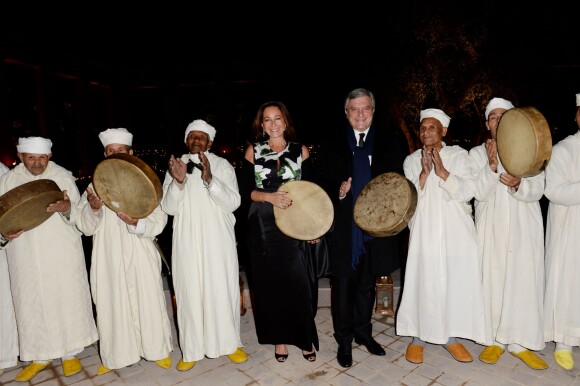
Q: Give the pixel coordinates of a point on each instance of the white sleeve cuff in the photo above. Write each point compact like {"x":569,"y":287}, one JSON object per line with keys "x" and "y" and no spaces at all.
{"x":138,"y":229}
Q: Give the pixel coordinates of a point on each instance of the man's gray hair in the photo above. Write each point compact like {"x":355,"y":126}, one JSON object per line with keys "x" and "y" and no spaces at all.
{"x":357,"y":93}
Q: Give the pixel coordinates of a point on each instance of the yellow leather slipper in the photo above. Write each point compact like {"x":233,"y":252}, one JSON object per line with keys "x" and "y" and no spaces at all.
{"x":184,"y":366}
{"x":531,"y":360}
{"x":164,"y":363}
{"x":102,"y":370}
{"x":30,"y":371}
{"x":71,"y":366}
{"x":491,"y":354}
{"x":239,"y":356}
{"x":564,"y":359}
{"x":414,"y":353}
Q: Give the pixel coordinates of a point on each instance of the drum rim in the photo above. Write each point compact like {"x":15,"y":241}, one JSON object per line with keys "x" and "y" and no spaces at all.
{"x":541,"y":134}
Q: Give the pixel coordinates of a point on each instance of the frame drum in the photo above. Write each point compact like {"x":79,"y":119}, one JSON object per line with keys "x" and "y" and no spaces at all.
{"x":311,"y":214}
{"x":127,"y":184}
{"x":385,"y":205}
{"x":24,"y":207}
{"x":524,"y":142}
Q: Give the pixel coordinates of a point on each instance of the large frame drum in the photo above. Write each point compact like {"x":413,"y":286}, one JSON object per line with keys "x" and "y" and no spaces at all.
{"x":127,"y":184}
{"x":524,"y":142}
{"x":24,"y":207}
{"x":385,"y":205}
{"x":311,"y":214}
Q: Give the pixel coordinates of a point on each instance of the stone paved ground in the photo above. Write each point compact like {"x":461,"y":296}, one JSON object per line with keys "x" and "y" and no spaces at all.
{"x":262,"y":369}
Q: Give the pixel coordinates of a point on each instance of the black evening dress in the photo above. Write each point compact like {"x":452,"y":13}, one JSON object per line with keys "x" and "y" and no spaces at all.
{"x":283,"y":286}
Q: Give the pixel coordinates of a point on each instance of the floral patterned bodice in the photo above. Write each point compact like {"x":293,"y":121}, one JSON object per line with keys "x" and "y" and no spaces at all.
{"x":272,"y":169}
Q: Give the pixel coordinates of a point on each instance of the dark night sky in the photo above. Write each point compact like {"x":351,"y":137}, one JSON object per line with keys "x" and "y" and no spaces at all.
{"x":308,"y":59}
{"x":233,"y":57}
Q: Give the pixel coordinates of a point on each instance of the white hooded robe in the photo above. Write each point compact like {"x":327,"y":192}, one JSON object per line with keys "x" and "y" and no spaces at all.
{"x":204,"y":260}
{"x":562,"y":304}
{"x":510,"y":235}
{"x":48,"y":276}
{"x":442,"y":292}
{"x":8,"y":331}
{"x":127,"y":286}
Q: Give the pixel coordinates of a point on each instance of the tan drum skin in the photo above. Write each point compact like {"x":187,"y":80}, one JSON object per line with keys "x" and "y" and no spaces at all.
{"x":385,"y":205}
{"x":24,"y":207}
{"x":311,"y":214}
{"x":524,"y":142}
{"x":127,"y":184}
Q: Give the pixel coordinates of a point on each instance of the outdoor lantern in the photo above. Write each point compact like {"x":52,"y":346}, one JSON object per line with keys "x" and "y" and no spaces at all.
{"x":384,"y":294}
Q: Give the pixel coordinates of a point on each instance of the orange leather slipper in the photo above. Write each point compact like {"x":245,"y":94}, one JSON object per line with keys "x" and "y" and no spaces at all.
{"x":414,"y":353}
{"x":459,"y":352}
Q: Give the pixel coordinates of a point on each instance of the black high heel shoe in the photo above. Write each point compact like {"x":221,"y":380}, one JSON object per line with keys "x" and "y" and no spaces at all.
{"x":310,"y":357}
{"x":280,"y":357}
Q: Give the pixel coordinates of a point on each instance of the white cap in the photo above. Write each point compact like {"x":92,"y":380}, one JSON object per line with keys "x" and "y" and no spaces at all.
{"x":200,"y":125}
{"x":577,"y":99}
{"x":34,"y":145}
{"x":497,"y":103}
{"x":437,"y":114}
{"x":120,"y":136}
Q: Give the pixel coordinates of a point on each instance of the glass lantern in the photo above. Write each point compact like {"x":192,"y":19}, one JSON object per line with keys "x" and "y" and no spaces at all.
{"x":384,"y":294}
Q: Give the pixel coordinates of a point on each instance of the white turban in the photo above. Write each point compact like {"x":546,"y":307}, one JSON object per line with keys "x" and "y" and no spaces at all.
{"x":34,"y":145}
{"x":577,"y":99}
{"x":437,"y":114}
{"x":497,"y":103}
{"x":200,"y":125}
{"x":120,"y":136}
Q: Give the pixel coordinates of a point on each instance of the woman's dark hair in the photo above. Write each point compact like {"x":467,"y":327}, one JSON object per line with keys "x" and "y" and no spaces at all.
{"x":260,"y":133}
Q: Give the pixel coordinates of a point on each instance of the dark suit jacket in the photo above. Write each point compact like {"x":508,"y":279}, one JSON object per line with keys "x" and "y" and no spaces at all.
{"x":334,"y":164}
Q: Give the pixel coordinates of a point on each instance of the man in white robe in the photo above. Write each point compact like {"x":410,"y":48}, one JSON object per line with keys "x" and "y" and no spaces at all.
{"x":48,"y":275}
{"x":8,"y":331}
{"x":510,"y":240}
{"x":126,"y":281}
{"x":442,"y":293}
{"x":561,"y":305}
{"x":204,"y":257}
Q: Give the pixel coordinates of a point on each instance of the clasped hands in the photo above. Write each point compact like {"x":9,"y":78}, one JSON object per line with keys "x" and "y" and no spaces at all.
{"x":178,"y":168}
{"x":431,"y":159}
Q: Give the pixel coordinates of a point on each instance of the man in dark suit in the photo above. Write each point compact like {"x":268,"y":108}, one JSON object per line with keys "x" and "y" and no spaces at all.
{"x":352,"y":157}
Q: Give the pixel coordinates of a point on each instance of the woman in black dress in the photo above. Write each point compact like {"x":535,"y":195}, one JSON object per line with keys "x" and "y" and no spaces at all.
{"x":284,"y":290}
